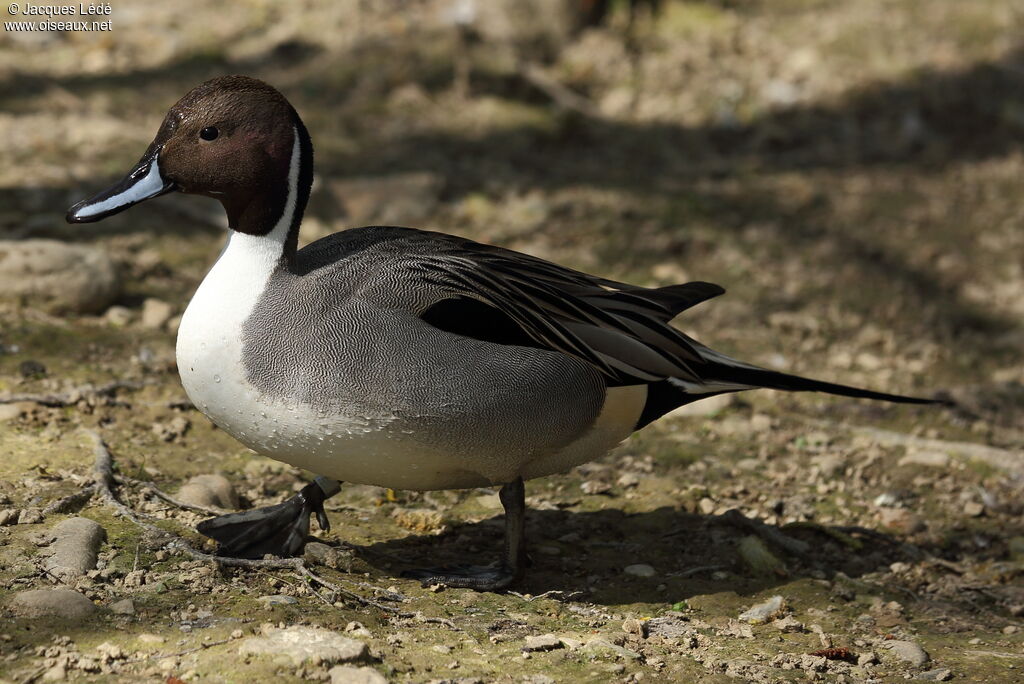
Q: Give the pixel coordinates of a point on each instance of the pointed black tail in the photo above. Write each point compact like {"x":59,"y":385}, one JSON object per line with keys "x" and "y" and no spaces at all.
{"x":769,"y":379}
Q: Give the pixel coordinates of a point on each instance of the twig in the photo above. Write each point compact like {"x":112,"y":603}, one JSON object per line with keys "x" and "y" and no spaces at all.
{"x":793,"y":546}
{"x":68,"y":502}
{"x":562,"y":96}
{"x":75,"y":395}
{"x":160,"y":494}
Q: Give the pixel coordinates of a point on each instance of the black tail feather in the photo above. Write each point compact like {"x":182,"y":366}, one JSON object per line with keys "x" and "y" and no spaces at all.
{"x":769,"y":379}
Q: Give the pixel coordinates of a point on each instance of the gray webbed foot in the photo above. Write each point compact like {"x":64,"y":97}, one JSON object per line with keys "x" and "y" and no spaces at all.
{"x":278,"y":530}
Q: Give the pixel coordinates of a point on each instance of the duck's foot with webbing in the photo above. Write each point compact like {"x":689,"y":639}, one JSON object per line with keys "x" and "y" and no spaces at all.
{"x":509,"y":570}
{"x":278,"y":530}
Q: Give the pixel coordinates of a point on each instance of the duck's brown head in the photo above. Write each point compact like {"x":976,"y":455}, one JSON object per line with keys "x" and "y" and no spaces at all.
{"x":232,"y":138}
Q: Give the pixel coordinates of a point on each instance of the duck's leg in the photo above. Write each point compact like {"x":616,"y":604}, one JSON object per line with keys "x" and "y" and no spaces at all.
{"x":489,"y":577}
{"x":279,"y":530}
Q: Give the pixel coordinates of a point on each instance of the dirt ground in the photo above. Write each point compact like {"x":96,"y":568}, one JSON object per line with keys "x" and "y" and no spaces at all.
{"x":849,"y":171}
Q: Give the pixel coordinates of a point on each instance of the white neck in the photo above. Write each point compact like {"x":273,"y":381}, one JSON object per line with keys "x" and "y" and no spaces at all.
{"x":234,"y":285}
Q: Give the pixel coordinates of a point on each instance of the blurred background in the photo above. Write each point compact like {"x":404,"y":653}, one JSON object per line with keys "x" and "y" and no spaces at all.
{"x":851,"y":173}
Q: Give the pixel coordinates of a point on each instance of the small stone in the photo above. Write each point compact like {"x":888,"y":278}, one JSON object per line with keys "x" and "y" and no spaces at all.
{"x":763,"y":612}
{"x":706,"y":506}
{"x":931,"y":459}
{"x":9,"y":516}
{"x":1010,"y":629}
{"x":277,"y":600}
{"x":900,"y":520}
{"x":974,"y":641}
{"x":150,"y":639}
{"x":974,"y":509}
{"x":118,"y":316}
{"x":909,"y":652}
{"x":570,"y":643}
{"x":640,"y":570}
{"x":123,"y":607}
{"x":347,"y":674}
{"x":358,"y":629}
{"x":304,"y":645}
{"x":209,"y":491}
{"x":544,"y":642}
{"x":869,"y":658}
{"x":52,"y":602}
{"x":789,"y":624}
{"x":628,"y":480}
{"x":598,"y":647}
{"x":634,"y":626}
{"x":57,"y":673}
{"x":155,"y":313}
{"x":595,"y":487}
{"x":423,"y":520}
{"x":323,"y":554}
{"x":57,"y":277}
{"x":940,"y":675}
{"x":30,"y":516}
{"x":76,"y":547}
{"x":16,"y":410}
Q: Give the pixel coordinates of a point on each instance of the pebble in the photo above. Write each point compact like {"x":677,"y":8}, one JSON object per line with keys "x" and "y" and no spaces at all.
{"x":30,"y":516}
{"x":640,"y":570}
{"x":347,"y":674}
{"x":56,"y":276}
{"x":602,"y":647}
{"x":323,"y":554}
{"x":869,"y":658}
{"x":9,"y":516}
{"x":277,"y":600}
{"x":544,"y":642}
{"x":358,"y":629}
{"x":155,"y":313}
{"x":909,"y":652}
{"x":304,"y":645}
{"x":123,"y":607}
{"x":763,"y":612}
{"x":209,"y":491}
{"x":18,"y":409}
{"x":940,"y":675}
{"x":118,"y":316}
{"x":934,"y":459}
{"x":789,"y":624}
{"x":63,"y":603}
{"x":57,"y":673}
{"x":900,"y":520}
{"x":75,"y":548}
{"x":150,"y":639}
{"x":706,"y":506}
{"x":974,"y":509}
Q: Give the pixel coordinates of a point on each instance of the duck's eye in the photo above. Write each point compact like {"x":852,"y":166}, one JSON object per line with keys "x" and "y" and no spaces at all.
{"x":209,"y":133}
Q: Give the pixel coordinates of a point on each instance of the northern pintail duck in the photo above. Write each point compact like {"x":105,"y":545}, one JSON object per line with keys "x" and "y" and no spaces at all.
{"x":399,"y":357}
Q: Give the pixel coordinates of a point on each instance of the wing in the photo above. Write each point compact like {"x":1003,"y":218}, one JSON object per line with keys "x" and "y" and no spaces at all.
{"x":502,"y":296}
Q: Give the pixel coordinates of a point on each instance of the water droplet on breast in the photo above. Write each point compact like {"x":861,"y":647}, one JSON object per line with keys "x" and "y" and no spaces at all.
{"x":216,"y":378}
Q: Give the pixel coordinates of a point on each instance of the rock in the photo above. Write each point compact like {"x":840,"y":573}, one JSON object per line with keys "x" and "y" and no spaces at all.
{"x":829,"y":465}
{"x":322,"y":554}
{"x":704,"y":408}
{"x":706,"y":506}
{"x":346,"y":674}
{"x":789,"y":624}
{"x":398,"y":199}
{"x":909,"y":652}
{"x":52,"y":602}
{"x":358,"y":629}
{"x":155,"y":313}
{"x":277,"y":600}
{"x":595,"y":487}
{"x":119,"y":316}
{"x":57,"y":277}
{"x":974,"y":509}
{"x":210,"y":491}
{"x":150,"y":639}
{"x":544,"y":642}
{"x":940,"y":675}
{"x":424,"y":520}
{"x":304,"y":645}
{"x":172,"y":430}
{"x":9,"y":516}
{"x":628,"y":480}
{"x":75,"y":548}
{"x":30,"y":516}
{"x":599,"y":647}
{"x":933,"y":459}
{"x":17,"y":410}
{"x":900,"y":520}
{"x":57,"y":673}
{"x":869,"y":658}
{"x":763,"y":612}
{"x":640,"y":570}
{"x":123,"y":607}
{"x":634,"y":626}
